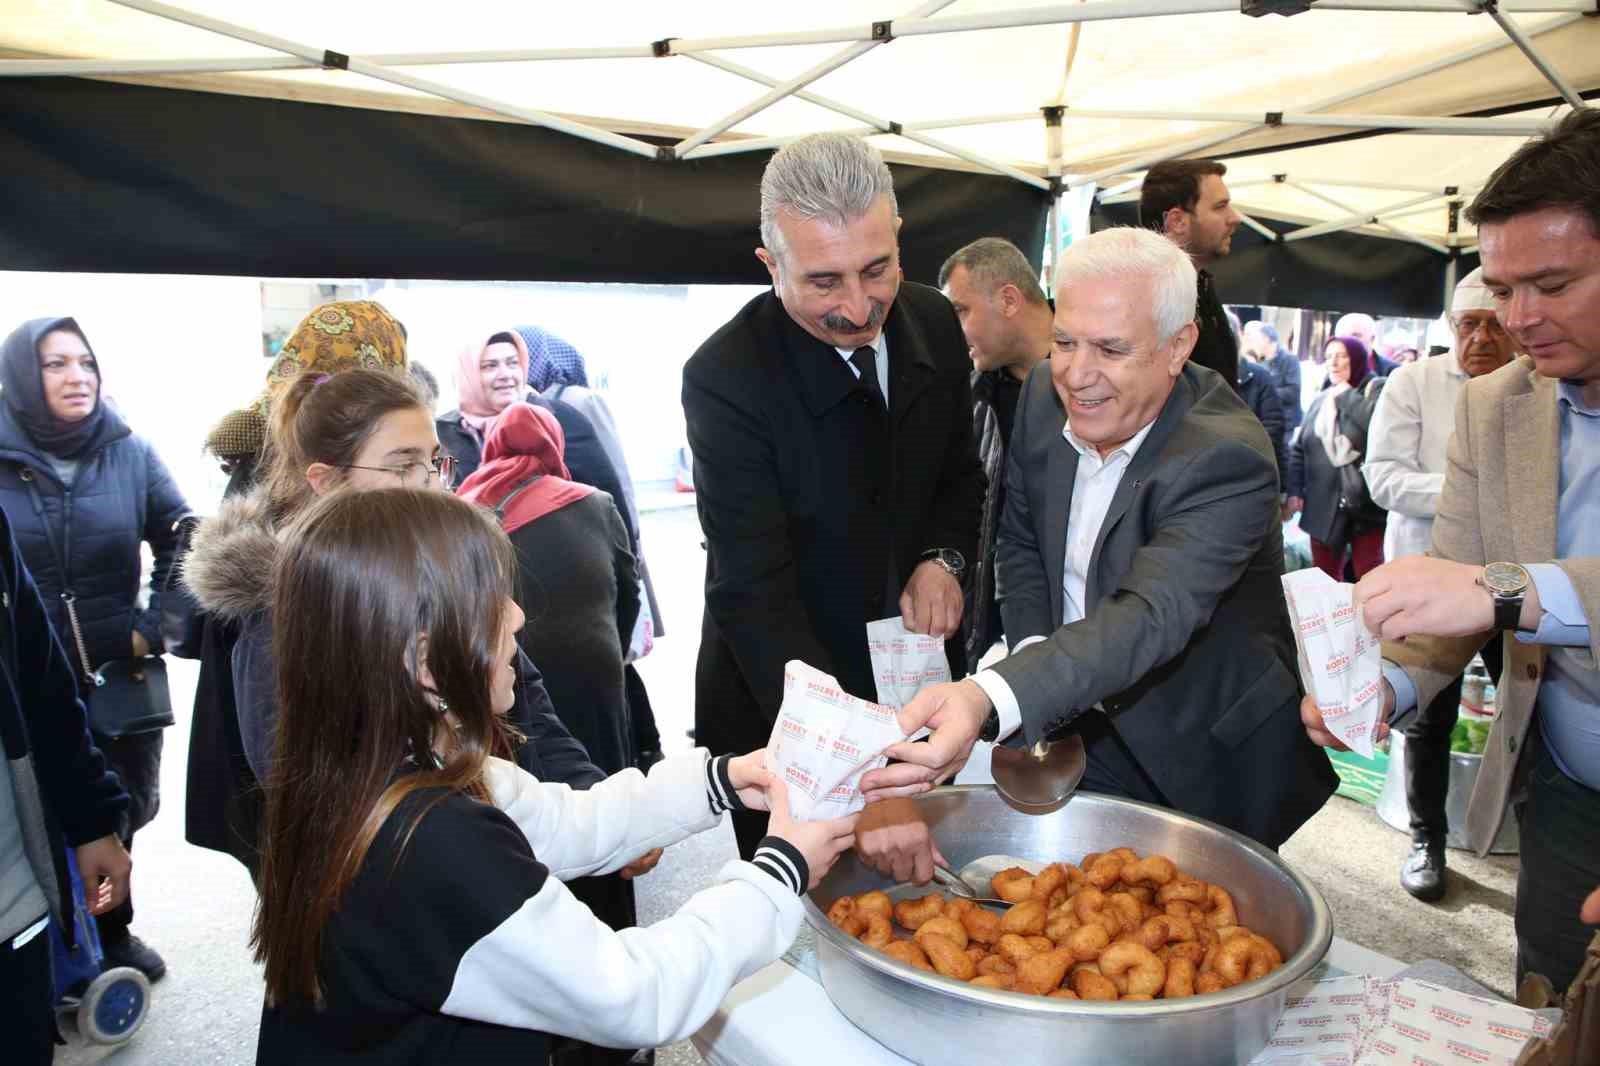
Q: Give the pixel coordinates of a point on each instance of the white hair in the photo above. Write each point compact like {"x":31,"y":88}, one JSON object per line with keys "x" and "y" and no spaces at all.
{"x":832,"y":176}
{"x":1130,"y":253}
{"x":1358,"y":325}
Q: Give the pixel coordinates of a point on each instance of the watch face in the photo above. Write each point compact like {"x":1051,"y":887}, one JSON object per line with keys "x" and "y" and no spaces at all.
{"x":1505,"y":579}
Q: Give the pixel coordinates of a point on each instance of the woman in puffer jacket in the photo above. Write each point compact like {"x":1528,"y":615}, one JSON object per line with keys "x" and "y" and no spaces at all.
{"x":83,"y":494}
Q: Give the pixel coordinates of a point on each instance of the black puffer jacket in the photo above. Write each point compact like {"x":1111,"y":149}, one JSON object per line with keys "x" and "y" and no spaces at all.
{"x":121,"y":495}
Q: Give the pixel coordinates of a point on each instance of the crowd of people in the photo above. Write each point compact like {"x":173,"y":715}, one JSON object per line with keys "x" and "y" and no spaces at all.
{"x":418,"y":723}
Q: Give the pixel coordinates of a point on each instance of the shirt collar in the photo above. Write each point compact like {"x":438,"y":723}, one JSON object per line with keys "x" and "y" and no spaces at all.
{"x":1571,"y":394}
{"x":878,"y":344}
{"x":1129,"y":449}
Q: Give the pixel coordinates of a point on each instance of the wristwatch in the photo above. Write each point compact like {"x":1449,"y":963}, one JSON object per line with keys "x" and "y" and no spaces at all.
{"x":948,"y":559}
{"x":1506,"y":582}
{"x":990,"y":731}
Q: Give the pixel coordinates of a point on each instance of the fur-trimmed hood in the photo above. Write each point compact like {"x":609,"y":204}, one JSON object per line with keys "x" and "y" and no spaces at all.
{"x":229,"y":568}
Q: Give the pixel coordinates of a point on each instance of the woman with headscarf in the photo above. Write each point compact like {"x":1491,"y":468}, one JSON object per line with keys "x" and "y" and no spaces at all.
{"x":83,"y":494}
{"x":1325,"y":483}
{"x":577,"y":584}
{"x":556,"y":371}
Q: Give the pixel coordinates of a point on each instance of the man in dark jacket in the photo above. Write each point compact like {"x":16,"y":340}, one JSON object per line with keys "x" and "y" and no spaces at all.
{"x":1261,"y":343}
{"x":57,"y":792}
{"x":836,"y":477}
{"x":1257,"y":388}
{"x":1006,"y":319}
{"x":1187,"y":200}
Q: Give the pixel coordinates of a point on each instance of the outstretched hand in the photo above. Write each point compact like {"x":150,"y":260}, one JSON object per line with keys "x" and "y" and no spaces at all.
{"x":955,"y":713}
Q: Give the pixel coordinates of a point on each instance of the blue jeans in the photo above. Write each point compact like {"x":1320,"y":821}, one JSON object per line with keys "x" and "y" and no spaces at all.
{"x":1557,"y":820}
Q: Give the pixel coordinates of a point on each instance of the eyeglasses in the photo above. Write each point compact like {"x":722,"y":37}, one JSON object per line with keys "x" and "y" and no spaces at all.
{"x":1466,"y":327}
{"x":416,"y":473}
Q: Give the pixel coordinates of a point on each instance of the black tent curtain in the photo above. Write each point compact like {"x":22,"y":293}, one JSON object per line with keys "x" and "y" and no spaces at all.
{"x":99,"y":176}
{"x":1344,"y":271}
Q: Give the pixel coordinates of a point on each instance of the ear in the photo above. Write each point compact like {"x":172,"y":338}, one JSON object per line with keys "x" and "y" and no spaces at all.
{"x":419,"y":663}
{"x":897,"y":221}
{"x":322,"y":477}
{"x":1010,"y":299}
{"x":1175,"y":223}
{"x":1179,"y":347}
{"x":769,"y":261}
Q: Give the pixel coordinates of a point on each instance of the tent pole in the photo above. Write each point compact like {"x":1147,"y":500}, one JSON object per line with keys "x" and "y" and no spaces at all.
{"x":796,"y":83}
{"x":1052,"y":154}
{"x":1540,"y":63}
{"x":1448,"y":7}
{"x":372,"y":70}
{"x":1361,"y":218}
{"x":1270,"y":235}
{"x":1173,"y":151}
{"x":1386,"y":186}
{"x":1386,"y":227}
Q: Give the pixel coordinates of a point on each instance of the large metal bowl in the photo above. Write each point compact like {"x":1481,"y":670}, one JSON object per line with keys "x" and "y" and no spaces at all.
{"x":937,"y":1021}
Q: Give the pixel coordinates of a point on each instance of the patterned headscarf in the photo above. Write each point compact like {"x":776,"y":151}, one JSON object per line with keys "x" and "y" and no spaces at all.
{"x":333,"y":338}
{"x":551,"y":360}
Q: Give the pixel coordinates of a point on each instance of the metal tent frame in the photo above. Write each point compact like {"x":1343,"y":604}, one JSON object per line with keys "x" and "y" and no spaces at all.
{"x":923,"y":20}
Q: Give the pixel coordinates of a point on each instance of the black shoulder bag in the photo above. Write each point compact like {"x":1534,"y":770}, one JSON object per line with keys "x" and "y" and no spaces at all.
{"x":124,"y":696}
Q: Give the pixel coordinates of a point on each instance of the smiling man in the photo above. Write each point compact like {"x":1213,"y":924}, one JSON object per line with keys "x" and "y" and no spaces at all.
{"x":1140,"y":554}
{"x":830,"y":422}
{"x":1516,"y":547}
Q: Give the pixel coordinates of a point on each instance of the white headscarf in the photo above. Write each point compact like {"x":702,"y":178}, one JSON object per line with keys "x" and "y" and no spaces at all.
{"x":1471,"y":295}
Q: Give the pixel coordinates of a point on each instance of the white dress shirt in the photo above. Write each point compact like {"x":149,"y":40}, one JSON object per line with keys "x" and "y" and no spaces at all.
{"x":1405,"y":462}
{"x":1093,"y":487}
{"x":880,"y":349}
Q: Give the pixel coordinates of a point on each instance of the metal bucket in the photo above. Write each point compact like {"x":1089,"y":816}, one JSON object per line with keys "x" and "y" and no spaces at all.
{"x":1396,"y":812}
{"x":937,"y":1021}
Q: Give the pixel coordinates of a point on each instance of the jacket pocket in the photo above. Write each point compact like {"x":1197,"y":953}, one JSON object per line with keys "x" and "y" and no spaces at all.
{"x":1267,"y":695}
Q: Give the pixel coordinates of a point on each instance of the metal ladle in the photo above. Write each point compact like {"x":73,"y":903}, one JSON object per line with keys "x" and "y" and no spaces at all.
{"x":1042,"y":776}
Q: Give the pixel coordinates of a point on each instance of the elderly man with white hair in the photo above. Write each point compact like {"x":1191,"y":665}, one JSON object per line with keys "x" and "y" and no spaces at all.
{"x":1405,"y":471}
{"x":1140,"y":555}
{"x":1364,"y":328}
{"x":836,"y":478}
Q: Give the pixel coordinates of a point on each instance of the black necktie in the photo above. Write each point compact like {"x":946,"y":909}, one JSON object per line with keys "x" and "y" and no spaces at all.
{"x":865,"y":360}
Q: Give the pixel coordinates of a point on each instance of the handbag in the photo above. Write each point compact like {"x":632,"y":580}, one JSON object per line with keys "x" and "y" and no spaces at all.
{"x":124,"y":696}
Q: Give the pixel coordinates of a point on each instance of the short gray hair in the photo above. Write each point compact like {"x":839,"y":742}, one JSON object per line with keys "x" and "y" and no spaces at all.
{"x":1131,"y":253}
{"x":832,"y":176}
{"x":991,"y":263}
{"x":1356,"y":324}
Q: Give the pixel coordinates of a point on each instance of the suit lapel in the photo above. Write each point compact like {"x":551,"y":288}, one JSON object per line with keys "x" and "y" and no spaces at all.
{"x":1144,"y":462}
{"x":822,"y":377}
{"x":1533,"y":464}
{"x":911,"y":365}
{"x":1061,"y":474}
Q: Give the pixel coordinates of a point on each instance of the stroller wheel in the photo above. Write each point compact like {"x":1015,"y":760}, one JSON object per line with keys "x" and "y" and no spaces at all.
{"x":114,"y":1006}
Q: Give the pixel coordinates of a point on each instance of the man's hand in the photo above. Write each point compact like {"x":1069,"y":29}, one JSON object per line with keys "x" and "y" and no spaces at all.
{"x":141,"y":647}
{"x":1432,"y":597}
{"x":931,"y":602}
{"x":642,"y":865}
{"x":1590,"y":914}
{"x":105,"y":868}
{"x":892,"y":838}
{"x":1292,"y":506}
{"x":955,"y":713}
{"x":1317,"y":730}
{"x":750,"y":777}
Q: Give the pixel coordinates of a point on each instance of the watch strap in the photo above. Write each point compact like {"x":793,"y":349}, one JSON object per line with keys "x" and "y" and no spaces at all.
{"x":1507,"y":612}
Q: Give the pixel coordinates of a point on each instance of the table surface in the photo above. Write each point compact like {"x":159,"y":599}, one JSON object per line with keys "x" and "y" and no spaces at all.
{"x":781,"y":1016}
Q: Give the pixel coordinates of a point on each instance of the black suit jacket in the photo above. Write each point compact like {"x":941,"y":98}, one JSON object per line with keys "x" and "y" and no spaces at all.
{"x":815,"y":506}
{"x":1186,"y":644}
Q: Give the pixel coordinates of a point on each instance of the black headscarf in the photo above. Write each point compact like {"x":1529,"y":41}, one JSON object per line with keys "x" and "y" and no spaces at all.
{"x":23,"y":381}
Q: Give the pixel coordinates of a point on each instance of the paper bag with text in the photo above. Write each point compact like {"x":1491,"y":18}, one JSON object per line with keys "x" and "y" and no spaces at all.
{"x":1341,"y":663}
{"x":904,"y":663}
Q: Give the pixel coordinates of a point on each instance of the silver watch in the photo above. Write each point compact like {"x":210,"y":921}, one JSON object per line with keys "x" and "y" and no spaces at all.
{"x":1507,"y":584}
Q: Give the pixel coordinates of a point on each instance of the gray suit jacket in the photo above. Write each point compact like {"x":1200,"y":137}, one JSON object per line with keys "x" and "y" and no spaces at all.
{"x":1186,"y":644}
{"x":1499,"y":504}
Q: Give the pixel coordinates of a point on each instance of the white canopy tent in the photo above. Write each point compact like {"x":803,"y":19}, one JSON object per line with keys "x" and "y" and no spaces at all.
{"x":1048,"y":94}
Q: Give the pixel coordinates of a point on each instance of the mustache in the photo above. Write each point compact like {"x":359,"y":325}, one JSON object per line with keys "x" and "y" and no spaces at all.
{"x":840,"y":324}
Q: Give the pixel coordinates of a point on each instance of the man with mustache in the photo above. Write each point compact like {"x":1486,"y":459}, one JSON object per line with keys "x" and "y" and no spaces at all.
{"x":1140,"y":553}
{"x":1405,"y":470}
{"x":837,"y":482}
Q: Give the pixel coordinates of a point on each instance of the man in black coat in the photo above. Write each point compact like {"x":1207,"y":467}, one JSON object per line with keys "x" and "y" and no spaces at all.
{"x":830,"y":422}
{"x":1187,"y":200}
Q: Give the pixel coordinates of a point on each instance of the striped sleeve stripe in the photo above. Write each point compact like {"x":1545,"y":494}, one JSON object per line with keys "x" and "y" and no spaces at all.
{"x":720,"y":792}
{"x":782,"y":860}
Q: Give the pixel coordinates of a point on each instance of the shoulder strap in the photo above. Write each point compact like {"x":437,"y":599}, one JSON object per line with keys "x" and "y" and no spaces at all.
{"x":26,"y":475}
{"x":505,"y":501}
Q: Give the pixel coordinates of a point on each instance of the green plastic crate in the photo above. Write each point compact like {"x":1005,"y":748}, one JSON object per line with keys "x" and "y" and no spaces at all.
{"x":1360,"y":778}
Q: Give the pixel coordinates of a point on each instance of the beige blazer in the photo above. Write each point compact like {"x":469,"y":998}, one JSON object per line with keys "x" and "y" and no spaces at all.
{"x":1499,"y":505}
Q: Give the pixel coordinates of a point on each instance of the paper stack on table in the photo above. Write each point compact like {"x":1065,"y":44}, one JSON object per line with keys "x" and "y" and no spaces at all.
{"x":1340,"y":661}
{"x":1364,"y":1021}
{"x":824,"y":740}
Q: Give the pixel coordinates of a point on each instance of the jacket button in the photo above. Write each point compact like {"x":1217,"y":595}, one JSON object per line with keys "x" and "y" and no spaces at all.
{"x":1533,"y":672}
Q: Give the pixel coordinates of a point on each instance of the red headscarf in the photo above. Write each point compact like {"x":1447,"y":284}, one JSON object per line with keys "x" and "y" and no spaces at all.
{"x":523,"y":443}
